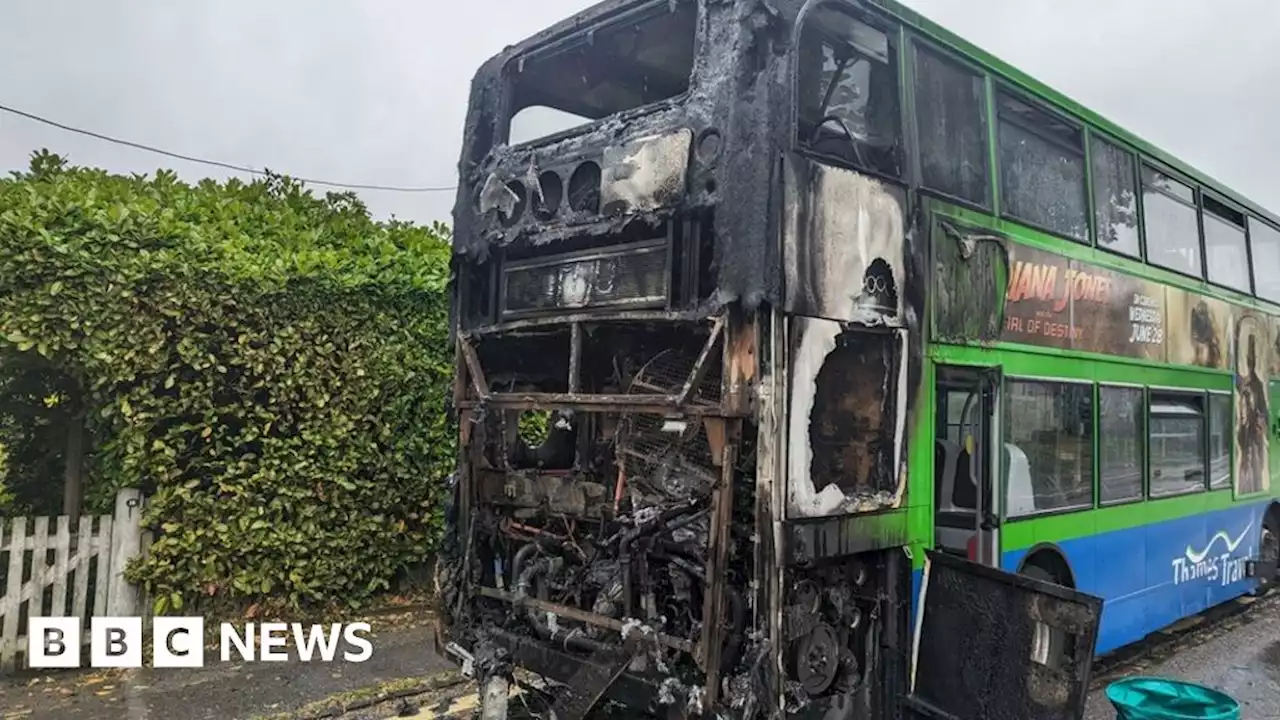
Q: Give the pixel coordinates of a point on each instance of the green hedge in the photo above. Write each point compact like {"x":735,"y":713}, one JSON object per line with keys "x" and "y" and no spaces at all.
{"x":269,"y":366}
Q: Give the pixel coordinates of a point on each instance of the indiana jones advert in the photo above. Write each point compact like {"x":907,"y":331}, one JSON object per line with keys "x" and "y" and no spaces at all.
{"x":1059,"y":302}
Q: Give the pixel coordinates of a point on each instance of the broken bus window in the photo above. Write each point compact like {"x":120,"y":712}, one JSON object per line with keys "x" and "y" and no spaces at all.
{"x":951,"y":121}
{"x":643,"y":57}
{"x":1042,"y":169}
{"x":1115,"y":198}
{"x":848,"y":91}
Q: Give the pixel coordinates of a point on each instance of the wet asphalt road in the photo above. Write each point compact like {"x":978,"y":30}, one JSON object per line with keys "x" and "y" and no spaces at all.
{"x":1241,"y":658}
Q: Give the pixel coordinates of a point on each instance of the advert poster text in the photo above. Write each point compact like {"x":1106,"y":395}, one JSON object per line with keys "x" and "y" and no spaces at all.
{"x":1054,"y":301}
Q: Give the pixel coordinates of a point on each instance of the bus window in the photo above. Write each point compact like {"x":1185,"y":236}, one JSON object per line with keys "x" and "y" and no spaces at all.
{"x":1226,"y":251}
{"x":1052,"y":424}
{"x":1121,"y":443}
{"x":951,"y":120}
{"x":1115,"y":198}
{"x":962,"y":410}
{"x":1177,"y":444}
{"x":1042,"y":169}
{"x":1169,"y":218}
{"x":958,"y":401}
{"x":847,"y":91}
{"x":643,"y":57}
{"x":1220,"y":424}
{"x":1266,"y":254}
{"x":539,"y":121}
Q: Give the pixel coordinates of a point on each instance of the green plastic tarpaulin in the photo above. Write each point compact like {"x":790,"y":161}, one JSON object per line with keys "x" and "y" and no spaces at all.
{"x":1146,"y":698}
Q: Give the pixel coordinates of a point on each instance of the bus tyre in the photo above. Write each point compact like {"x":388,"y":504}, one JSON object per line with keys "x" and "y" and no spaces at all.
{"x":1049,"y":645}
{"x":1269,"y":552}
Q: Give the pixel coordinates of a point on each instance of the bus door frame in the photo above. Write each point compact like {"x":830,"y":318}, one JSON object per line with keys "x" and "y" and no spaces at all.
{"x":985,"y":384}
{"x":987,"y":456}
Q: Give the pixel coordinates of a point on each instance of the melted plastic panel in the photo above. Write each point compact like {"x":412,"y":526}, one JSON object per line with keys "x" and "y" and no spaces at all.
{"x":971,"y":270}
{"x":844,"y":241}
{"x":646,"y":173}
{"x":974,"y":645}
{"x":846,"y":419}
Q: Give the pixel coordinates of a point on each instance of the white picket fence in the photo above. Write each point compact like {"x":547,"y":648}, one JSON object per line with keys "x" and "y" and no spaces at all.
{"x":56,"y":569}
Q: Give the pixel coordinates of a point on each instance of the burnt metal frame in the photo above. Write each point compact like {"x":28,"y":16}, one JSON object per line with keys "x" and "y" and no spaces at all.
{"x":470,"y":373}
{"x":480,"y":276}
{"x":897,"y":39}
{"x":602,"y":621}
{"x":550,"y":661}
{"x":903,"y":46}
{"x":663,"y":244}
{"x":741,"y":342}
{"x":554,"y":47}
{"x":1086,"y":639}
{"x":688,"y":290}
{"x":593,"y":318}
{"x":738,"y":340}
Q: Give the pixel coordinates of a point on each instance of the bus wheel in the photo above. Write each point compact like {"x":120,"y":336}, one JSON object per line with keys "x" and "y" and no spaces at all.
{"x":1048,"y":645}
{"x":1269,"y":552}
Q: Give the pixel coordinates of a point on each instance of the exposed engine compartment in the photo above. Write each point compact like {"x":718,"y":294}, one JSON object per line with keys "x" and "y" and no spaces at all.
{"x":609,"y":504}
{"x":590,"y":526}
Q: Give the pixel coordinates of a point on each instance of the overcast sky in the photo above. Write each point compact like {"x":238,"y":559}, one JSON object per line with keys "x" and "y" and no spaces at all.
{"x":373,"y":91}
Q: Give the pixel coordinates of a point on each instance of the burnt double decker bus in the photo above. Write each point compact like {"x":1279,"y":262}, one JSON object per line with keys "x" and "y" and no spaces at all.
{"x":688,"y":306}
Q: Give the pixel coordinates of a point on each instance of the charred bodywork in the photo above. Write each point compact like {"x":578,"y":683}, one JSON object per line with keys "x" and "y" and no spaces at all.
{"x":609,"y":310}
{"x":686,"y":359}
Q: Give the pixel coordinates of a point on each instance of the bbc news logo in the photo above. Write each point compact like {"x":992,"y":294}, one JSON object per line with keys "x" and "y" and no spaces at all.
{"x":178,"y":642}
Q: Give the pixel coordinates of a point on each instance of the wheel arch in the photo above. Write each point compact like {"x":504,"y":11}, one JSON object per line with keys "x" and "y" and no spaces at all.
{"x":1271,"y":522}
{"x":1051,"y":558}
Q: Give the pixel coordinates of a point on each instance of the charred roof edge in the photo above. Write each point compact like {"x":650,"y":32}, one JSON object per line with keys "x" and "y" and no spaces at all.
{"x":594,"y":15}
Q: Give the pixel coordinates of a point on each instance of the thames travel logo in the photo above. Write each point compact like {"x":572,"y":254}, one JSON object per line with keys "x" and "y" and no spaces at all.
{"x":1222,"y":567}
{"x":178,"y":642}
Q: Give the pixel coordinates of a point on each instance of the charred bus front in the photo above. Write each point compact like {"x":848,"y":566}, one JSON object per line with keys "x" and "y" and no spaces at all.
{"x":686,"y":358}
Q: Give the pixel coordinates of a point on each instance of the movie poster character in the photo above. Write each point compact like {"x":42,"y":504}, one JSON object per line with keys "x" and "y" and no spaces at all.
{"x":1200,"y":330}
{"x":1206,"y":337}
{"x":1253,"y":414}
